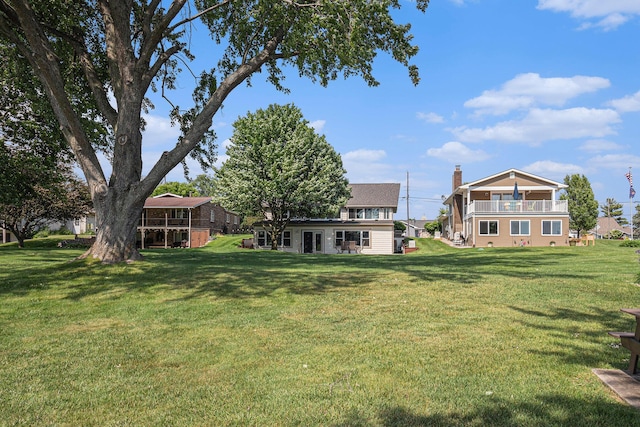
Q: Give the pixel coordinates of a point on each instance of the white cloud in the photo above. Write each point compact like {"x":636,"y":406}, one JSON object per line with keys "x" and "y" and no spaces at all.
{"x":318,"y":125}
{"x":609,"y":13}
{"x":159,"y":132}
{"x":545,"y":124}
{"x":366,"y":165}
{"x":629,"y":103}
{"x":599,"y":145}
{"x":614,"y":162}
{"x":430,"y":117}
{"x":455,"y":152}
{"x":553,"y":170}
{"x":530,"y":90}
{"x":363,"y":155}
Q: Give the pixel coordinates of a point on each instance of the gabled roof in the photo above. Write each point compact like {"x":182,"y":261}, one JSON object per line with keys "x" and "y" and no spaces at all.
{"x":607,"y":224}
{"x":374,"y":196}
{"x":478,"y":183}
{"x":171,"y":201}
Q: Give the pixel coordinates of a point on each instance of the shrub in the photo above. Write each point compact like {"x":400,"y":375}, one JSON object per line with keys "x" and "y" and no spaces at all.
{"x":630,"y":244}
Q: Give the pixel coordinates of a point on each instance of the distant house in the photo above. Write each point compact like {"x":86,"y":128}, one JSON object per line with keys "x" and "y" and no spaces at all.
{"x":7,"y":236}
{"x":416,"y":227}
{"x":364,"y":225}
{"x":169,"y":220}
{"x":510,"y":208}
{"x":608,"y":226}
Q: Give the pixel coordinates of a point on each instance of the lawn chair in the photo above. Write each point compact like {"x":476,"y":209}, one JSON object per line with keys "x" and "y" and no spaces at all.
{"x":457,"y":240}
{"x":352,"y":246}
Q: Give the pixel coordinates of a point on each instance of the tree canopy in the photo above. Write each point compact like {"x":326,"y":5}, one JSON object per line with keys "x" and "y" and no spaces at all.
{"x":184,"y":189}
{"x":583,"y":208}
{"x":279,"y":169}
{"x":36,"y":192}
{"x":613,"y":209}
{"x":85,"y":53}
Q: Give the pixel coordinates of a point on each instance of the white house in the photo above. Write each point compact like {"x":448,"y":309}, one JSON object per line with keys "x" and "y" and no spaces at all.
{"x":364,"y":225}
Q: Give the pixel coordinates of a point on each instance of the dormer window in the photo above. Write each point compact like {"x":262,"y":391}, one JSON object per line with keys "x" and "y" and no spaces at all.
{"x":368,"y":213}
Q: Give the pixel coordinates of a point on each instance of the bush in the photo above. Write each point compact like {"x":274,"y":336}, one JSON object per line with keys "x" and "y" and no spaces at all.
{"x":630,"y":244}
{"x":42,"y":233}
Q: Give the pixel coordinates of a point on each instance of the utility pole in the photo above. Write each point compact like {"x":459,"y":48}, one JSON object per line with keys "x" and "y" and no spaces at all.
{"x":408,"y":227}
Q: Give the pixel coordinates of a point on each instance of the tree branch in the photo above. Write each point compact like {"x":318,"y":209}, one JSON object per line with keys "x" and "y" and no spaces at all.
{"x":44,"y":61}
{"x":202,"y":122}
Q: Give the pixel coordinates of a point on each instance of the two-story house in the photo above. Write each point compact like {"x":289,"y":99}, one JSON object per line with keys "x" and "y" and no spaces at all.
{"x":364,"y":225}
{"x":169,"y":220}
{"x":510,"y":208}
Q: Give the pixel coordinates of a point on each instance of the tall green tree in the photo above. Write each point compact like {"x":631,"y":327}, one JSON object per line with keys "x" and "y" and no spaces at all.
{"x":279,"y":169}
{"x":205,"y":184}
{"x":583,"y":207}
{"x":184,"y":189}
{"x":86,"y":52}
{"x":35,"y":193}
{"x":613,"y":209}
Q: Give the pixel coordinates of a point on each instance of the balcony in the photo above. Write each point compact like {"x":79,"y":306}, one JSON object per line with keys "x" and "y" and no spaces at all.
{"x":518,"y":207}
{"x":174,"y":223}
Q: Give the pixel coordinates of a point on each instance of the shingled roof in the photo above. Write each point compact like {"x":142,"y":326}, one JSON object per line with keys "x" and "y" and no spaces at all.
{"x":374,"y":196}
{"x":171,"y":201}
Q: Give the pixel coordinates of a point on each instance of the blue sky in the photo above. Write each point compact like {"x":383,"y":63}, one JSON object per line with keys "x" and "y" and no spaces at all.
{"x":550,"y":87}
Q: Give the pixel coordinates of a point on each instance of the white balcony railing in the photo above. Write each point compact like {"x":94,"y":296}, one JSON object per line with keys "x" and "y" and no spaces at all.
{"x":519,"y":207}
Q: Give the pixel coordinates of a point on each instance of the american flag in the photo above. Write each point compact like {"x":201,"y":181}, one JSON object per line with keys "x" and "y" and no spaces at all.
{"x":629,"y":178}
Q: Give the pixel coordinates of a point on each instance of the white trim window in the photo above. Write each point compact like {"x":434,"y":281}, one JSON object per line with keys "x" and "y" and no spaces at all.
{"x":551,"y":227}
{"x":520,"y":227}
{"x":212,"y":216}
{"x":361,"y":237}
{"x":264,"y":238}
{"x":368,"y":213}
{"x":488,"y":228}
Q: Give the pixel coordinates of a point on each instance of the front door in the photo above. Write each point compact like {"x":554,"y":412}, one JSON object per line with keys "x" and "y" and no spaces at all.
{"x":311,"y":242}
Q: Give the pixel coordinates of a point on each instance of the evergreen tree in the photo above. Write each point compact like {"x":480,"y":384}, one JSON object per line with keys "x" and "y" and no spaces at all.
{"x":583,"y":207}
{"x":613,"y":209}
{"x":279,"y":168}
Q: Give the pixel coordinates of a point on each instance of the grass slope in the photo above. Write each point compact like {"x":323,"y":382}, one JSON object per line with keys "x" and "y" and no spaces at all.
{"x":224,"y":336}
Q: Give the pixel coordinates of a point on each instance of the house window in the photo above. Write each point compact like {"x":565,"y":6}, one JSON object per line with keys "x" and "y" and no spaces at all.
{"x":551,"y":228}
{"x":213,"y":216}
{"x":520,"y":228}
{"x":488,"y":228}
{"x":387,"y":213}
{"x":285,"y":239}
{"x":228,"y":218}
{"x":179,"y":213}
{"x":264,"y":238}
{"x":362,"y":238}
{"x":369,"y":213}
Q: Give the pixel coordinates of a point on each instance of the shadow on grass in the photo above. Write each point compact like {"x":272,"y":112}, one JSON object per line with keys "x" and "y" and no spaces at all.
{"x":543,"y":411}
{"x":580,"y":337}
{"x":237,"y":273}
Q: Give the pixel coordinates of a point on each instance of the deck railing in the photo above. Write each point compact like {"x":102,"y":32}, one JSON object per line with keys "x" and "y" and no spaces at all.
{"x":174,"y":223}
{"x":518,"y":206}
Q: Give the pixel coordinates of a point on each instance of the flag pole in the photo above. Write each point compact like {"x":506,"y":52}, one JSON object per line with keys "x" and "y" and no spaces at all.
{"x":631,"y":194}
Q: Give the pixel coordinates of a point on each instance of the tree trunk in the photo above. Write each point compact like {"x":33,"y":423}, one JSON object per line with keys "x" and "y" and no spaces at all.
{"x":116,"y":226}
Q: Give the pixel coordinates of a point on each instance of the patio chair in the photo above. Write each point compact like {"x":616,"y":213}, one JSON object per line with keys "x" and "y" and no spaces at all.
{"x":457,"y":240}
{"x":352,"y":246}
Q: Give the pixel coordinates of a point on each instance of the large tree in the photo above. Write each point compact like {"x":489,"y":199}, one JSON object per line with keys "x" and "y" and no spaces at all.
{"x":124,"y":49}
{"x":36,"y":192}
{"x":613,"y":209}
{"x":279,"y":169}
{"x":583,"y":207}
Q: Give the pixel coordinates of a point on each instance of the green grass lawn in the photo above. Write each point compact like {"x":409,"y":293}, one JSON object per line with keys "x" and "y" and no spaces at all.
{"x":224,"y":336}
